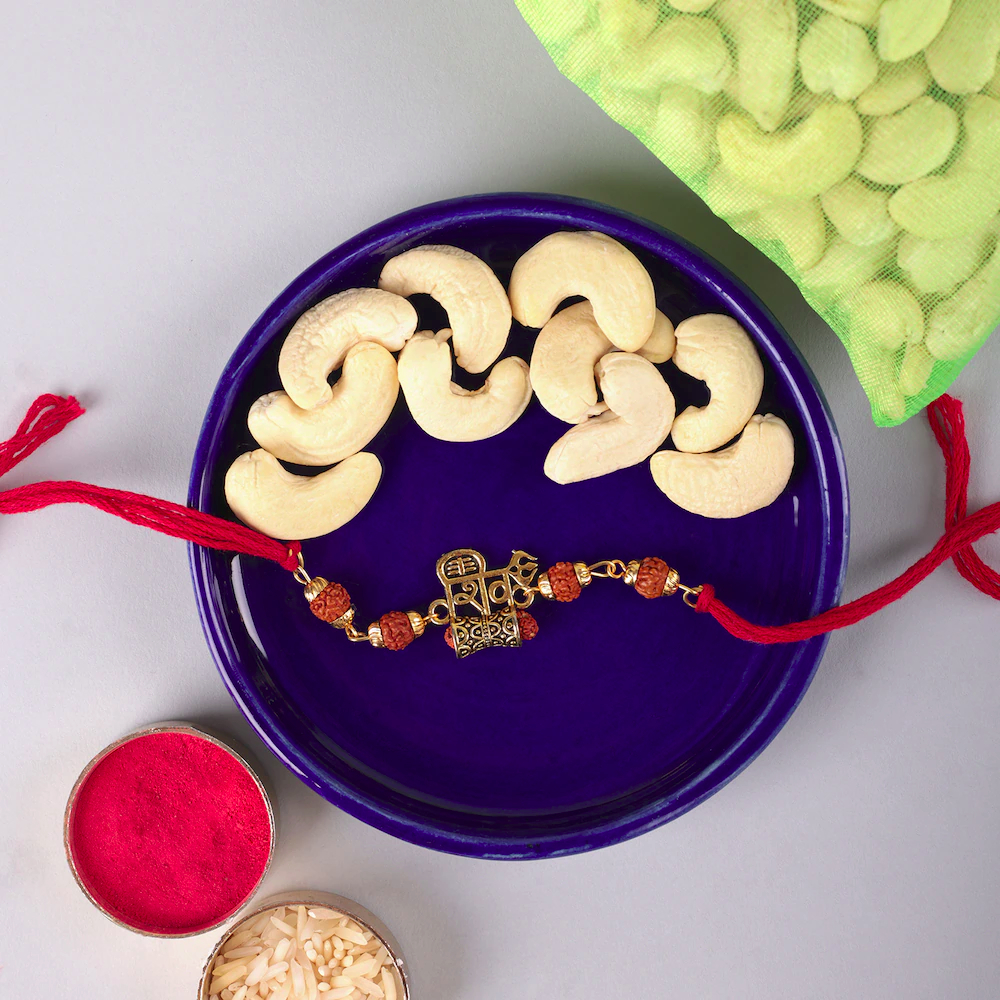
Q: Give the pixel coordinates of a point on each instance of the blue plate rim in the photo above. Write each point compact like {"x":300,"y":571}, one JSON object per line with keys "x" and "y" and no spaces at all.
{"x":818,"y":425}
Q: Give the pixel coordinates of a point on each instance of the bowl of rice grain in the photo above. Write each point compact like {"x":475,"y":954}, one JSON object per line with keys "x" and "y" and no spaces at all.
{"x":306,"y":945}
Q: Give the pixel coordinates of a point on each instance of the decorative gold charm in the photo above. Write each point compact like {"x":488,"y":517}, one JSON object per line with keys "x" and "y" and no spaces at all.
{"x":481,"y":604}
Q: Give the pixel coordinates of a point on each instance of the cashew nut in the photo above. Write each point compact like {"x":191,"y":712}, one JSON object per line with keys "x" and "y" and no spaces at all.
{"x":592,"y":265}
{"x":960,"y":323}
{"x":909,"y":144}
{"x":963,"y":57}
{"x":965,"y":198}
{"x":898,"y":85}
{"x":272,"y":500}
{"x":359,"y":406}
{"x":662,"y":342}
{"x":717,"y":350}
{"x":864,"y":12}
{"x":634,"y":109}
{"x":876,"y":369}
{"x":476,"y":303}
{"x":683,"y":133}
{"x":684,"y":49}
{"x":731,"y":199}
{"x":915,"y":370}
{"x":321,"y":337}
{"x":799,"y":226}
{"x":446,"y":410}
{"x":836,"y":57}
{"x":766,"y":36}
{"x":626,"y":22}
{"x":562,"y":363}
{"x":905,"y":27}
{"x":845,"y":266}
{"x":748,"y":475}
{"x":640,"y":409}
{"x":936,"y":267}
{"x":798,"y":164}
{"x":859,"y":213}
{"x":565,"y":353}
{"x":886,"y":314}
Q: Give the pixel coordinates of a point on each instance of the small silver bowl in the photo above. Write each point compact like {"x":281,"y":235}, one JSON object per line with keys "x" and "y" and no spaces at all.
{"x":224,"y":743}
{"x":310,"y":897}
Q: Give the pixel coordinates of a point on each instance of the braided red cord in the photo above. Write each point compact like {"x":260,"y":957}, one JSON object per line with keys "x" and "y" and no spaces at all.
{"x":47,"y":416}
{"x":948,"y":423}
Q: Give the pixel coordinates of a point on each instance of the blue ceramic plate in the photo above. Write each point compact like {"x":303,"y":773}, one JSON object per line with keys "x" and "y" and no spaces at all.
{"x":623,"y":713}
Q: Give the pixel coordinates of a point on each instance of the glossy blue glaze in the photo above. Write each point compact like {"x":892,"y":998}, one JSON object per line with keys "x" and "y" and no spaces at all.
{"x":623,"y":713}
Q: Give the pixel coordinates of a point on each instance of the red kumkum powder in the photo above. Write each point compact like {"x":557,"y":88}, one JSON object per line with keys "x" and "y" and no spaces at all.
{"x":170,"y":833}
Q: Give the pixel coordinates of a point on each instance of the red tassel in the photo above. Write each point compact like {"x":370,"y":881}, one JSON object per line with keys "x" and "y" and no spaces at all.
{"x":948,"y":423}
{"x":47,"y":416}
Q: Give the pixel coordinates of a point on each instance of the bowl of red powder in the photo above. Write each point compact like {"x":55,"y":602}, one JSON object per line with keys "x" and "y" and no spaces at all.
{"x":169,"y":831}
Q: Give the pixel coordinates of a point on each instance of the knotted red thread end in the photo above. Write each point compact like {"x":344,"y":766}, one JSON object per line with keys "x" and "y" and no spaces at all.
{"x":46,"y":417}
{"x":947,"y":421}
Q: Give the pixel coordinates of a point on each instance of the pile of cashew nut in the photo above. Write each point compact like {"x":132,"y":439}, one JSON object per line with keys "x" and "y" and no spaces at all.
{"x":862,"y":136}
{"x":593,"y":366}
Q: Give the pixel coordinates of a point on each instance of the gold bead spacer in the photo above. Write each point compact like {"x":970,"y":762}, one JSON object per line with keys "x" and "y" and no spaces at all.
{"x":346,"y":618}
{"x":632,"y":572}
{"x":545,"y":587}
{"x":417,"y":622}
{"x":583,"y":574}
{"x":672,"y":582}
{"x":315,"y":587}
{"x":375,"y":635}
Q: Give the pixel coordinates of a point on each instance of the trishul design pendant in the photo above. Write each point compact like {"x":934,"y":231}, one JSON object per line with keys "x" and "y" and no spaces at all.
{"x":481,"y":604}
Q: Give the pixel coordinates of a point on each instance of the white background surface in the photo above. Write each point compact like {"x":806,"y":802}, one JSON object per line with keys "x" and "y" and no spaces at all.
{"x":166,"y":169}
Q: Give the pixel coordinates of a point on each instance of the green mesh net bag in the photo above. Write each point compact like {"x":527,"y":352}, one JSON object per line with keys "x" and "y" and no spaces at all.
{"x":855,"y":142}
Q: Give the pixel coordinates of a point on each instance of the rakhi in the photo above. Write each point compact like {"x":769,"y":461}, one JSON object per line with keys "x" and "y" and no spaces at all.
{"x":498,"y":599}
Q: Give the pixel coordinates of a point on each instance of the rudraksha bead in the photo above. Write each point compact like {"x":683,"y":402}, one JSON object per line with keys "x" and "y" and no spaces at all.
{"x":655,"y":578}
{"x":560,"y":582}
{"x":331,"y":603}
{"x":528,"y":626}
{"x":397,"y":630}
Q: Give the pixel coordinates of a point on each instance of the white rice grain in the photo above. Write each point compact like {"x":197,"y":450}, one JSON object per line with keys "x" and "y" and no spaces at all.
{"x":352,"y":935}
{"x":361,"y":968}
{"x":275,"y":970}
{"x":370,"y":988}
{"x":245,"y":952}
{"x":241,"y":993}
{"x":324,"y":913}
{"x":298,"y":979}
{"x":388,"y":984}
{"x":340,"y":993}
{"x":229,"y":977}
{"x":283,"y":927}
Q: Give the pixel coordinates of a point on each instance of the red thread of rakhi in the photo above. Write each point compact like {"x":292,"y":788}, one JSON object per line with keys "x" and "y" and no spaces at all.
{"x":46,"y":417}
{"x":49,"y":414}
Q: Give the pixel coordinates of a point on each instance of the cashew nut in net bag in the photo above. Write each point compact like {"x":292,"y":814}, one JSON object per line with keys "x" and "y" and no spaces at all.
{"x":854,"y":142}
